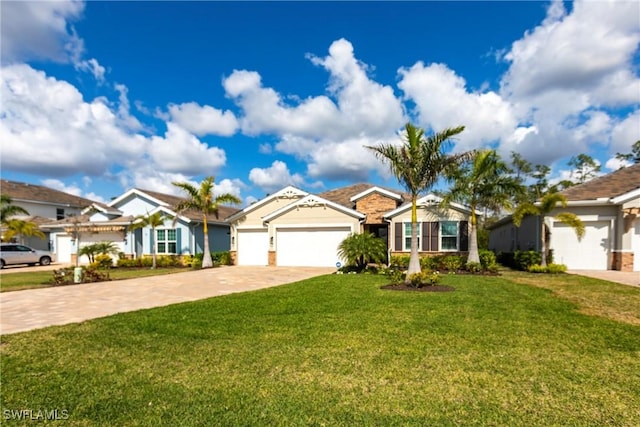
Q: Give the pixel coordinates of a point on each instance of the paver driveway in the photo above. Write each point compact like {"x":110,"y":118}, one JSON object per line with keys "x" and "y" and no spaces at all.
{"x":38,"y":308}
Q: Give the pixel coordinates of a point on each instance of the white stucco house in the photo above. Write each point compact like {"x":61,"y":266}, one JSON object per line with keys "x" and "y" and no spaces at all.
{"x":44,"y":205}
{"x":110,"y":222}
{"x":609,"y":207}
{"x":292,"y":227}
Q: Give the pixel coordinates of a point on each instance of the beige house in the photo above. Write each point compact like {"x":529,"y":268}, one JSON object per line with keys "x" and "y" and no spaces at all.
{"x":609,"y":207}
{"x":294,"y":228}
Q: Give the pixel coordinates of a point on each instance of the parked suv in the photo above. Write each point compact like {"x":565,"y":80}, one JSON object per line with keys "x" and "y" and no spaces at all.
{"x":12,"y":253}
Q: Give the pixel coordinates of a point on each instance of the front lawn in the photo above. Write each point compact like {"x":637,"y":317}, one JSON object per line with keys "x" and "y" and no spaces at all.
{"x":44,"y":279}
{"x":337,"y":350}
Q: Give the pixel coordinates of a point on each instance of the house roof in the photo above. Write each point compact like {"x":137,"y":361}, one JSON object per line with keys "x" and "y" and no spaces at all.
{"x":20,"y":191}
{"x":343,"y":195}
{"x":313,"y":200}
{"x":428,"y":200}
{"x":288,"y":192}
{"x":173,"y":201}
{"x":607,"y":186}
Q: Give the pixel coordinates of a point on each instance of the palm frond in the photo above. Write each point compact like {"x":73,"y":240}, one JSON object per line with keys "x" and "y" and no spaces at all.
{"x":523,"y":210}
{"x":573,"y":221}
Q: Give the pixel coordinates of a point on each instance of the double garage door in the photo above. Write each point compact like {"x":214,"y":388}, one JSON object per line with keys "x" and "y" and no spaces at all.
{"x":295,"y":247}
{"x":590,"y":253}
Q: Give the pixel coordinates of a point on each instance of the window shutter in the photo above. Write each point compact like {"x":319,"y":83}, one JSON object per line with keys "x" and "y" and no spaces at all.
{"x":178,"y":241}
{"x":398,"y":236}
{"x":152,"y":249}
{"x":463,"y":230}
{"x":425,"y":236}
{"x":434,"y":226}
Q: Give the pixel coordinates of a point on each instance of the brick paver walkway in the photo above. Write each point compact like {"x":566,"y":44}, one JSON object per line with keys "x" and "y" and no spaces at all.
{"x":38,"y":308}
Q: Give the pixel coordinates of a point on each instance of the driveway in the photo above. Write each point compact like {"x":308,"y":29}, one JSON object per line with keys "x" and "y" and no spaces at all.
{"x":625,"y":277}
{"x":39,"y":308}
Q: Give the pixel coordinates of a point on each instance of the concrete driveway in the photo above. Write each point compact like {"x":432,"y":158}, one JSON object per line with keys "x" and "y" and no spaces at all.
{"x":38,"y":308}
{"x":625,"y":277}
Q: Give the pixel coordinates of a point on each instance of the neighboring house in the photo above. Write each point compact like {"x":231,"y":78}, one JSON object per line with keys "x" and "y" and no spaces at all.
{"x":110,"y":222}
{"x":608,"y":205}
{"x":294,"y":228}
{"x":44,"y":206}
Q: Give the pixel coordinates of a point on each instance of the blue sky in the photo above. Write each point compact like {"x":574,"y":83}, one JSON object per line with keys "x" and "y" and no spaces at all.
{"x":99,"y":97}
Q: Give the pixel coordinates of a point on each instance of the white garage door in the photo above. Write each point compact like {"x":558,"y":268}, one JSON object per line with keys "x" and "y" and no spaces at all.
{"x":636,"y":245}
{"x":63,"y":249}
{"x":590,"y":253}
{"x":253,"y":247}
{"x":310,"y":247}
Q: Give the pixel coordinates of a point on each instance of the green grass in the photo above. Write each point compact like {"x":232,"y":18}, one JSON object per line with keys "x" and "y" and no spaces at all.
{"x":337,"y":350}
{"x":44,"y":279}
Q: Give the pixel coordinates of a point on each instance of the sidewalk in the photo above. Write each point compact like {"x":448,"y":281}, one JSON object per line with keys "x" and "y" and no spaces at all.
{"x":38,"y":308}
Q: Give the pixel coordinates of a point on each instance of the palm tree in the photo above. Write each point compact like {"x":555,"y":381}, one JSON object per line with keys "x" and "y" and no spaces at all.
{"x":8,"y":209}
{"x":21,"y":228}
{"x":485,"y":182}
{"x":154,"y":220}
{"x":418,"y":164}
{"x":201,"y":199}
{"x":547,"y":203}
{"x":359,"y":249}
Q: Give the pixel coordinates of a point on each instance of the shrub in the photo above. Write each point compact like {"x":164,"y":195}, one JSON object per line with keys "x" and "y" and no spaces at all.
{"x":395,"y":275}
{"x":400,"y":261}
{"x":430,"y":262}
{"x":360,"y":249}
{"x":487,"y":258}
{"x":473,"y":267}
{"x":222,"y":258}
{"x":64,"y":276}
{"x":524,"y":259}
{"x":452,"y":263}
{"x":550,"y":268}
{"x":102,"y":262}
{"x":424,"y":278}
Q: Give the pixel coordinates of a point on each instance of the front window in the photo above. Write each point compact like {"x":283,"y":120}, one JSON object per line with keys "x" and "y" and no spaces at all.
{"x":59,"y":213}
{"x":407,"y":235}
{"x":449,"y":236}
{"x":166,"y":241}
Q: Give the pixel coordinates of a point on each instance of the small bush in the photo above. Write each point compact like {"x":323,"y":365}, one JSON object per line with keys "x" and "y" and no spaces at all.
{"x":395,"y":275}
{"x":424,"y":278}
{"x":221,"y":258}
{"x":452,"y":263}
{"x":549,"y":269}
{"x":473,"y":267}
{"x":64,"y":276}
{"x":487,"y":258}
{"x":430,"y":262}
{"x":102,"y":262}
{"x":399,"y":261}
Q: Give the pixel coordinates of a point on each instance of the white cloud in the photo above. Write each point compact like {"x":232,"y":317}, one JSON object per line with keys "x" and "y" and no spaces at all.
{"x":356,"y":111}
{"x":230,"y":186}
{"x":614,"y":164}
{"x":625,"y":133}
{"x":274,"y":177}
{"x":589,"y":50}
{"x":442,"y":101}
{"x":47,"y":128}
{"x":40,"y":30}
{"x":126,"y":120}
{"x":181,"y":152}
{"x":56,"y":184}
{"x":203,"y":120}
{"x":92,"y":66}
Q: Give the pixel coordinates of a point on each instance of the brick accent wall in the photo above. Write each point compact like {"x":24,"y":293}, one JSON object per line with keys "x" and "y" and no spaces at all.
{"x":374,"y":206}
{"x":272,"y":258}
{"x":622,"y":261}
{"x":234,"y":257}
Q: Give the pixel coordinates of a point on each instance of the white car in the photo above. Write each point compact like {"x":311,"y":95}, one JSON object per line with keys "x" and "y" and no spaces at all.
{"x":12,"y":253}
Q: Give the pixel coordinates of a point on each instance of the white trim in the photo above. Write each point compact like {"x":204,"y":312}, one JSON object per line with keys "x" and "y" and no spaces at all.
{"x":97,"y":207}
{"x":138,"y":193}
{"x":250,"y":227}
{"x":626,"y":196}
{"x":312,"y":201}
{"x":593,"y":202}
{"x":376,"y":190}
{"x":428,"y":200}
{"x":337,"y":225}
{"x":288,"y":192}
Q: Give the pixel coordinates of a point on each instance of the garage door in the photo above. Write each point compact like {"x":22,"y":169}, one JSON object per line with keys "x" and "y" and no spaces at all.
{"x":309,"y":247}
{"x":591,"y":253}
{"x":253,"y":247}
{"x":63,"y":249}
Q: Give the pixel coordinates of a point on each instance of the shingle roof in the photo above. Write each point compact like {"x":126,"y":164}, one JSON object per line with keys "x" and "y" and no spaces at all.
{"x":20,"y":191}
{"x":172,"y":201}
{"x":607,"y":186}
{"x":343,"y":195}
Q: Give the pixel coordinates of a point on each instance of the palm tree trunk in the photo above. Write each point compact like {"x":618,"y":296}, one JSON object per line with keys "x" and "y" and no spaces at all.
{"x":207,"y":262}
{"x":474,"y":256}
{"x":414,"y":259}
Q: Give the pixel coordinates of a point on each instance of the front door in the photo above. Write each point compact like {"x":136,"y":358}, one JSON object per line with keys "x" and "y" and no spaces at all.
{"x":381,"y":231}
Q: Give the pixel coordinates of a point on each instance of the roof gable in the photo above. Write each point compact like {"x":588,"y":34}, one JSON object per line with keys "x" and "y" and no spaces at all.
{"x":288,"y":192}
{"x":343,"y":195}
{"x":425,"y":201}
{"x":312,"y":200}
{"x":378,"y":190}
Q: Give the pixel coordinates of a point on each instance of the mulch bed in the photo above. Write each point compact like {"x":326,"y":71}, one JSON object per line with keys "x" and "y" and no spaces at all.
{"x":433,"y":288}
